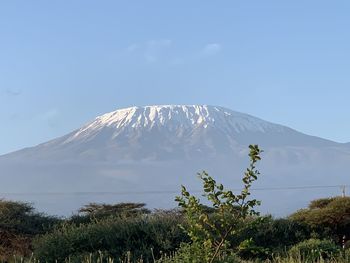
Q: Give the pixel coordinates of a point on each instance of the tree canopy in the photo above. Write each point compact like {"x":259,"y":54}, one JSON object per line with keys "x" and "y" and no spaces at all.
{"x":331,"y":214}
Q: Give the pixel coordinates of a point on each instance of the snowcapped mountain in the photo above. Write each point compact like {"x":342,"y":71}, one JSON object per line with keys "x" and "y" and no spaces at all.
{"x":134,"y":152}
{"x":168,"y":131}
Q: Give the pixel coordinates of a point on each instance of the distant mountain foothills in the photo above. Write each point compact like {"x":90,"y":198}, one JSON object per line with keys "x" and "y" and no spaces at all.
{"x":144,"y":154}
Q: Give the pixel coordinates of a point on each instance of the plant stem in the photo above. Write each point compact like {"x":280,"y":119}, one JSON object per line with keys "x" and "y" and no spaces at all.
{"x":220,"y":244}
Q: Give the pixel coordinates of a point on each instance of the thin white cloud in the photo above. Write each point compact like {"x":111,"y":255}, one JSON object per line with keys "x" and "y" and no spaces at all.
{"x":211,"y":49}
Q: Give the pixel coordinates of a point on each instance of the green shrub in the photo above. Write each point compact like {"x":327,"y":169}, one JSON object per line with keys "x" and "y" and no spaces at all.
{"x":347,"y":254}
{"x":114,"y":236}
{"x":271,"y":235}
{"x":347,"y":244}
{"x":196,"y":253}
{"x":213,"y":228}
{"x":329,"y":217}
{"x":313,"y":249}
{"x":19,"y":223}
{"x":249,"y":250}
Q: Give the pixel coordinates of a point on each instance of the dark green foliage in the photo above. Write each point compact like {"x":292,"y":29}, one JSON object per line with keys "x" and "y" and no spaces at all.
{"x":313,"y":249}
{"x":268,"y":236}
{"x":114,"y":236}
{"x":328,"y":217}
{"x":19,"y":217}
{"x":248,"y":249}
{"x":19,"y":223}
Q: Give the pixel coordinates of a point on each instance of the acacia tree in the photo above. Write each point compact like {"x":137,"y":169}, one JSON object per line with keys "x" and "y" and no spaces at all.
{"x":104,"y":210}
{"x":211,"y":228}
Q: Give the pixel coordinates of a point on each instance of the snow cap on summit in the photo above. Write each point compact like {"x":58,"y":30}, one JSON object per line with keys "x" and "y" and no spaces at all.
{"x":176,"y":116}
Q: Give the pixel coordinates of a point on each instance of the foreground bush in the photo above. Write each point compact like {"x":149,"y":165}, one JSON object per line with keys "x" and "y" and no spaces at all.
{"x":263,"y":237}
{"x":196,"y":253}
{"x":313,"y":249}
{"x":114,"y":237}
{"x":19,"y":223}
{"x":330,"y":217}
{"x":212,"y":229}
{"x":347,"y":254}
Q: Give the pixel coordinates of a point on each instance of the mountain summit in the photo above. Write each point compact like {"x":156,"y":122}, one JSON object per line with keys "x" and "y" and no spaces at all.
{"x":138,"y":150}
{"x":181,"y":116}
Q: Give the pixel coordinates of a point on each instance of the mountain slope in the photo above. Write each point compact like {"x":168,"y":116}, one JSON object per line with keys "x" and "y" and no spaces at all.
{"x":136,"y":151}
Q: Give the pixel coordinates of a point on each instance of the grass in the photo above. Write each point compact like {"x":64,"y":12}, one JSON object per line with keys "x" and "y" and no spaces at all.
{"x":99,"y":258}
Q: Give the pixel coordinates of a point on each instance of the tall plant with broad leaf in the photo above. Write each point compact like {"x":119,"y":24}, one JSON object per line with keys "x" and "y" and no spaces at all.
{"x":212,"y":228}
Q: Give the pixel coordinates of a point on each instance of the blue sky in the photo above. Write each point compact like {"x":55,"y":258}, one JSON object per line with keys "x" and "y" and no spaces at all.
{"x":64,"y":62}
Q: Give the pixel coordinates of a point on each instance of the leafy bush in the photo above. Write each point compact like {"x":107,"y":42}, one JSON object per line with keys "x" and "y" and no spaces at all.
{"x":114,"y":236}
{"x":249,"y":250}
{"x":213,"y":228}
{"x":329,"y":217}
{"x":313,"y":249}
{"x":271,"y":236}
{"x":18,"y":217}
{"x":19,"y":223}
{"x":347,"y":244}
{"x":347,"y":254}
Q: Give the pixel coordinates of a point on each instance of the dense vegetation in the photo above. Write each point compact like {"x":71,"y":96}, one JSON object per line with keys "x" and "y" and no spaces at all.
{"x":19,"y":224}
{"x":229,"y":230}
